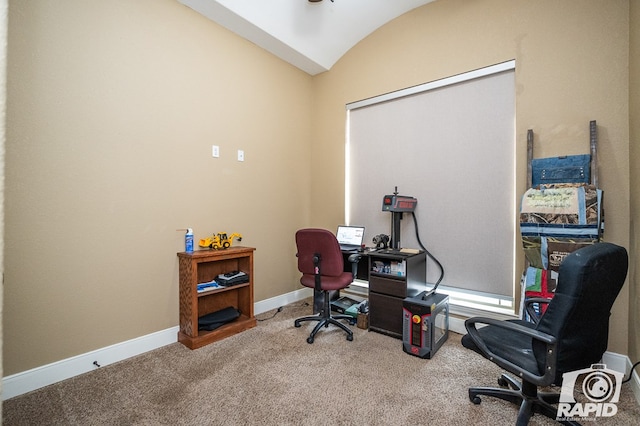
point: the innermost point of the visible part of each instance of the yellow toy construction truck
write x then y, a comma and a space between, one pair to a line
220, 240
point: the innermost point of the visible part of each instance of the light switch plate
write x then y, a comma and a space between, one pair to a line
215, 151
240, 155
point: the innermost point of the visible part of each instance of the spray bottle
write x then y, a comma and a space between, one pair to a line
188, 240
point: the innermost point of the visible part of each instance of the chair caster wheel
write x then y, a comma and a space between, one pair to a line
309, 340
352, 321
350, 337
502, 382
476, 400
297, 324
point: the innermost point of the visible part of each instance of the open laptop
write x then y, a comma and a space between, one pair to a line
350, 237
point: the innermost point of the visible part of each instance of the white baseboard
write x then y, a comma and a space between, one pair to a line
284, 299
27, 381
623, 364
457, 325
616, 362
635, 381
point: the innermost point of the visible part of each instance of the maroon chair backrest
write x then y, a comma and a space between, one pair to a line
313, 240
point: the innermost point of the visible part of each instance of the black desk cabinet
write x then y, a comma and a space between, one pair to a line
392, 278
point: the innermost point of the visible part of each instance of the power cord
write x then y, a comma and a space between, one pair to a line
631, 372
272, 316
415, 222
280, 309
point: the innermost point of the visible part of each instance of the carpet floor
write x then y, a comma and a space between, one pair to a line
270, 375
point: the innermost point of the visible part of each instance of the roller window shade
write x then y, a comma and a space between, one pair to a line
452, 147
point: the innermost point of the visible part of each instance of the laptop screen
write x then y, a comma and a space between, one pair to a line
352, 235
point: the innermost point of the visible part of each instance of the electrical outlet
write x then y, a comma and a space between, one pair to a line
240, 155
215, 151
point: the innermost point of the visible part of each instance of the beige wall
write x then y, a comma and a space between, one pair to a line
634, 144
3, 105
571, 67
113, 108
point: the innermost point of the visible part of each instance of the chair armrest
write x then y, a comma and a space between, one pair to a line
550, 342
528, 306
354, 259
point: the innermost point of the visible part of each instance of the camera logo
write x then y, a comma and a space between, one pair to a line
600, 387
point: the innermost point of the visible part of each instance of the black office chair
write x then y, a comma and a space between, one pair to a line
321, 263
571, 335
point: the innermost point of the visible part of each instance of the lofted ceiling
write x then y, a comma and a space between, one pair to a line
312, 36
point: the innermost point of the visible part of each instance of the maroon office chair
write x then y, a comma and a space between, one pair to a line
322, 266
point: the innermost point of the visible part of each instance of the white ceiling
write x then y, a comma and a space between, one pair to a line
310, 36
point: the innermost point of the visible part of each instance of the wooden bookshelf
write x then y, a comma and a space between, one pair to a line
203, 266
